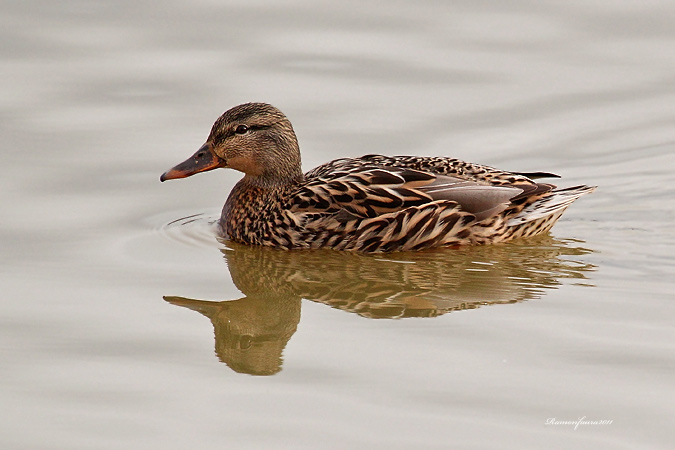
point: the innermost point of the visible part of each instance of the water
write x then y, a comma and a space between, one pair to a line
126, 324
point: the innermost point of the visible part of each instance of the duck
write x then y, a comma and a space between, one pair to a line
373, 203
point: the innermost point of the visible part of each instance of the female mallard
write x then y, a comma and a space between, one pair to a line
373, 203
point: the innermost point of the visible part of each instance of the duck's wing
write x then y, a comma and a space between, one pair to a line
537, 175
368, 191
437, 165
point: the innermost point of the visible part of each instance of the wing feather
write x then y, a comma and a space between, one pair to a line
371, 191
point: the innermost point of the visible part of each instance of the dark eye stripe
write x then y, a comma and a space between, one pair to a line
243, 129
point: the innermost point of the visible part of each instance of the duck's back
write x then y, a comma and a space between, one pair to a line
382, 203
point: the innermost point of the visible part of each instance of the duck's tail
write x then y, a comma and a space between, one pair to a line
551, 207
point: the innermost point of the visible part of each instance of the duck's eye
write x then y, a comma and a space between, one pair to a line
241, 129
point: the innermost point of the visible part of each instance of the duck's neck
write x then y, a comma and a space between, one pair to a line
252, 205
273, 180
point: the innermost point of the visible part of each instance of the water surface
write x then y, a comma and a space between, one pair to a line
126, 323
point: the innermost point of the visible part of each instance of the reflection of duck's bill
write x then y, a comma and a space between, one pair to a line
201, 306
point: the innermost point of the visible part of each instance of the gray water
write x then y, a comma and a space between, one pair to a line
126, 324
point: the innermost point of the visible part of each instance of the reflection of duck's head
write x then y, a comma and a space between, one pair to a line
250, 333
411, 284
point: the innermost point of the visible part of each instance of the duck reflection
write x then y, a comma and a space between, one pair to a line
252, 332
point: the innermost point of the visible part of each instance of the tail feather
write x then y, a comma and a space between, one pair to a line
549, 205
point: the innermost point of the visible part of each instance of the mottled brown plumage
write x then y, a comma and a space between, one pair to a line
373, 203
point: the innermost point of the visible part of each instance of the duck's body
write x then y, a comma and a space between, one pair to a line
373, 203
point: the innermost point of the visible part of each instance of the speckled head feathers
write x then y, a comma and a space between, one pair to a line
257, 139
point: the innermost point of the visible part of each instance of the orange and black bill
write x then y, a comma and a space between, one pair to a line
203, 160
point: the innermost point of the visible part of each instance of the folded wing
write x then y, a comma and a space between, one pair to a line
369, 192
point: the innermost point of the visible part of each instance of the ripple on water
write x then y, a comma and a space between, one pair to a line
194, 230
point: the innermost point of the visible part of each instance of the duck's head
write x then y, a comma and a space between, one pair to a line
254, 138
